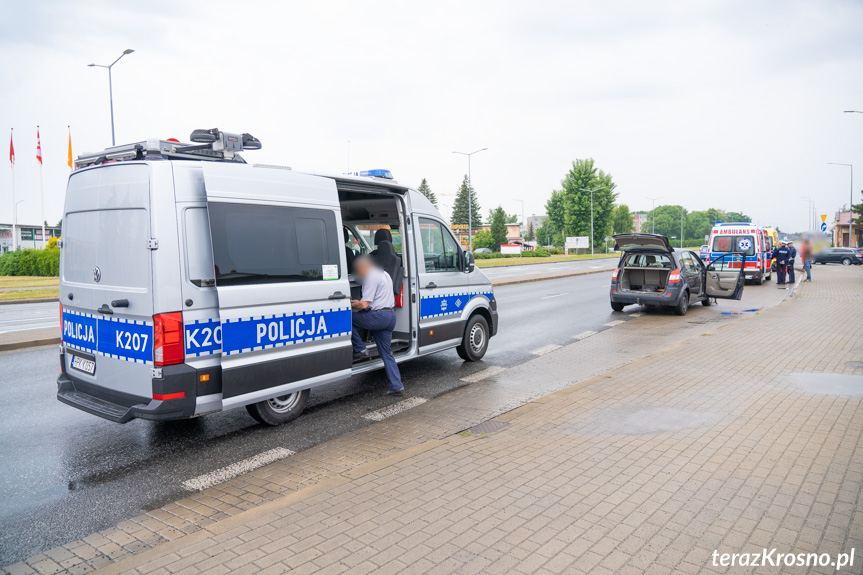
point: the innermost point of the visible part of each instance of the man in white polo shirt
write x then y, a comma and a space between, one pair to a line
376, 313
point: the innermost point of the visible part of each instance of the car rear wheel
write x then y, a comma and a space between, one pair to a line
616, 306
759, 280
846, 261
683, 305
707, 301
474, 343
279, 410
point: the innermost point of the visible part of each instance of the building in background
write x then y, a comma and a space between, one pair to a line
513, 231
840, 231
537, 221
29, 237
637, 221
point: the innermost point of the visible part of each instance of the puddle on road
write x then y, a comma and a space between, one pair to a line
657, 420
828, 383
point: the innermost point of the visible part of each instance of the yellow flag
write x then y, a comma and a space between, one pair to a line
70, 149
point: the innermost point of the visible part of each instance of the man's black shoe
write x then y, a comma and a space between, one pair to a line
361, 355
400, 391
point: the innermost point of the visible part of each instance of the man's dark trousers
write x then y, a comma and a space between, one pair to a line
381, 324
791, 272
781, 269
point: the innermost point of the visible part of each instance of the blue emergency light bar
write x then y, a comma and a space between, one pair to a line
386, 174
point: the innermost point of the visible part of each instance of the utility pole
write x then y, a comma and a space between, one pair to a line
653, 215
470, 198
111, 88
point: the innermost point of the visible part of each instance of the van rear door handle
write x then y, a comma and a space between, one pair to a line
431, 285
120, 303
338, 295
105, 309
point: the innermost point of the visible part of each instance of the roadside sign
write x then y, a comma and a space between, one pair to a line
577, 242
824, 218
823, 227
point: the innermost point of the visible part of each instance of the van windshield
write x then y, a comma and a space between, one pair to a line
736, 244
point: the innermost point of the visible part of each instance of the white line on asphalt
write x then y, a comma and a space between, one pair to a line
554, 295
390, 410
546, 349
615, 322
584, 334
226, 473
480, 375
636, 314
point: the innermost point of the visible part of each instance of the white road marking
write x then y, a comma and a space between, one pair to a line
480, 375
396, 408
554, 295
636, 314
584, 334
226, 473
615, 322
546, 349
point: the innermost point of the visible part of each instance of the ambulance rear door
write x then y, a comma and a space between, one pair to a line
280, 269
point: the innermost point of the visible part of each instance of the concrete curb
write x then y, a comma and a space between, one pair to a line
29, 343
30, 300
543, 263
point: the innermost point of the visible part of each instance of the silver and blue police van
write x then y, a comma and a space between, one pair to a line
193, 282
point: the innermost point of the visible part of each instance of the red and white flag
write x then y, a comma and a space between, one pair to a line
11, 151
38, 146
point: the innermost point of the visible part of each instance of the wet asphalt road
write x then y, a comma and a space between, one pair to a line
66, 474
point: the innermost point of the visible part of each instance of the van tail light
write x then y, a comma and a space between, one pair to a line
674, 277
400, 298
614, 275
168, 346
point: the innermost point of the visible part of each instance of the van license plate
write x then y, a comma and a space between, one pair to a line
83, 364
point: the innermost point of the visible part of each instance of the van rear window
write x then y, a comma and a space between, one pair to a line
736, 244
269, 244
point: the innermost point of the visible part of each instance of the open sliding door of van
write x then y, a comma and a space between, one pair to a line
284, 296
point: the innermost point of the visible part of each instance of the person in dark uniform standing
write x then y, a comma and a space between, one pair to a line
782, 256
792, 256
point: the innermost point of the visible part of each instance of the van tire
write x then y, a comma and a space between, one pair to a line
279, 410
474, 342
759, 280
682, 304
617, 306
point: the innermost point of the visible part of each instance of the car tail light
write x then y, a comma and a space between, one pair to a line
614, 275
168, 346
400, 298
674, 277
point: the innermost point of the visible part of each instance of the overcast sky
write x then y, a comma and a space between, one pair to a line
733, 104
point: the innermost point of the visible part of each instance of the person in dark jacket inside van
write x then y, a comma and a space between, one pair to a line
376, 313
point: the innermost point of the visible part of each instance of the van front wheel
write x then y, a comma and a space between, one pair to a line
474, 343
279, 410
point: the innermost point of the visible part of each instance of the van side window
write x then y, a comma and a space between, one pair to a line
272, 244
199, 255
440, 250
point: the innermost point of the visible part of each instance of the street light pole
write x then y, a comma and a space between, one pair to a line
811, 212
111, 88
850, 206
522, 213
591, 213
15, 220
470, 198
653, 215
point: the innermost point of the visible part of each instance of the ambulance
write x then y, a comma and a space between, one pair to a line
192, 282
745, 238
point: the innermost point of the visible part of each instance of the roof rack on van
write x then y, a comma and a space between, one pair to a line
210, 145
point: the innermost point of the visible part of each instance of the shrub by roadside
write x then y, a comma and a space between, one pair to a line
30, 263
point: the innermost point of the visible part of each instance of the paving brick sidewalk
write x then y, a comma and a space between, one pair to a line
649, 468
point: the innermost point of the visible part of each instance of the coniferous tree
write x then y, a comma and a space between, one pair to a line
425, 190
460, 207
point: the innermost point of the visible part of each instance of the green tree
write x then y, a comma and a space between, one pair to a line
543, 235
621, 220
425, 190
497, 227
667, 221
460, 207
577, 202
512, 219
483, 239
555, 209
736, 217
698, 225
857, 209
530, 235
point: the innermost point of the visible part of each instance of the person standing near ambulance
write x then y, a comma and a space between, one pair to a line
793, 256
782, 255
376, 313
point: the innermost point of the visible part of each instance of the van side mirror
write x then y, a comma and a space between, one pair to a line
469, 263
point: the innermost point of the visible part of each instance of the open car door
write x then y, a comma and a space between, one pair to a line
724, 276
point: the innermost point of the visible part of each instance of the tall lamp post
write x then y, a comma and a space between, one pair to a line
653, 215
850, 205
811, 213
15, 243
470, 198
111, 87
591, 213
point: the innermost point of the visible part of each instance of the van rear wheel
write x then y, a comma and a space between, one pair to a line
474, 343
279, 410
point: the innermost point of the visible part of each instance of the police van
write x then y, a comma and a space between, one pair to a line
745, 238
193, 282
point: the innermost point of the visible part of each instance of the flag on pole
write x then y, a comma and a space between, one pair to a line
70, 149
11, 151
38, 146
